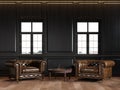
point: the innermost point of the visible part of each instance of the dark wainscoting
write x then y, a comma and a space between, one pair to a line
59, 62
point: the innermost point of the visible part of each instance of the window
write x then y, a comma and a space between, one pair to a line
87, 37
31, 37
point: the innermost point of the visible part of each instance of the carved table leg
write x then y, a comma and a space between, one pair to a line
64, 76
50, 75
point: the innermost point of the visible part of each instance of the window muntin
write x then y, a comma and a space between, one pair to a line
31, 37
87, 37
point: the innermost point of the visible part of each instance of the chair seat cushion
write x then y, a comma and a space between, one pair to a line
30, 69
89, 70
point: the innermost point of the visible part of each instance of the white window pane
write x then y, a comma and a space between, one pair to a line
25, 50
93, 50
93, 37
81, 26
37, 43
25, 26
82, 41
25, 44
82, 37
37, 51
81, 50
83, 44
93, 44
37, 26
93, 27
37, 37
25, 37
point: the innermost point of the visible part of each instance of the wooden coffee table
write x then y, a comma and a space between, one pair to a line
60, 70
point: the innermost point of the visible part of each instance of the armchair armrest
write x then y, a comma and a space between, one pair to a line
14, 68
10, 63
108, 63
107, 68
43, 65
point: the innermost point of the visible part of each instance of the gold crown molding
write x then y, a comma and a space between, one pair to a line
58, 2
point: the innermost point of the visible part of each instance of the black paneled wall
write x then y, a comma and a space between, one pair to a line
59, 28
59, 33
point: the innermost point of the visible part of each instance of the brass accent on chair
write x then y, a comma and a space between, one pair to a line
94, 69
23, 69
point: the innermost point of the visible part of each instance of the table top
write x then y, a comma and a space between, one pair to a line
60, 70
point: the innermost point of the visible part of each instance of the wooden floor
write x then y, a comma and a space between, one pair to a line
60, 84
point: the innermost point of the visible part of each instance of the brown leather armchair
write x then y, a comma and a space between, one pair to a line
94, 69
24, 69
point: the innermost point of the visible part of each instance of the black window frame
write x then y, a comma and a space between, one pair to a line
87, 35
31, 33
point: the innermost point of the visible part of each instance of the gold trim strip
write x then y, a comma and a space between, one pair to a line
59, 2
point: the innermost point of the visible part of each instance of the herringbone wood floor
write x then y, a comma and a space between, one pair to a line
60, 84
